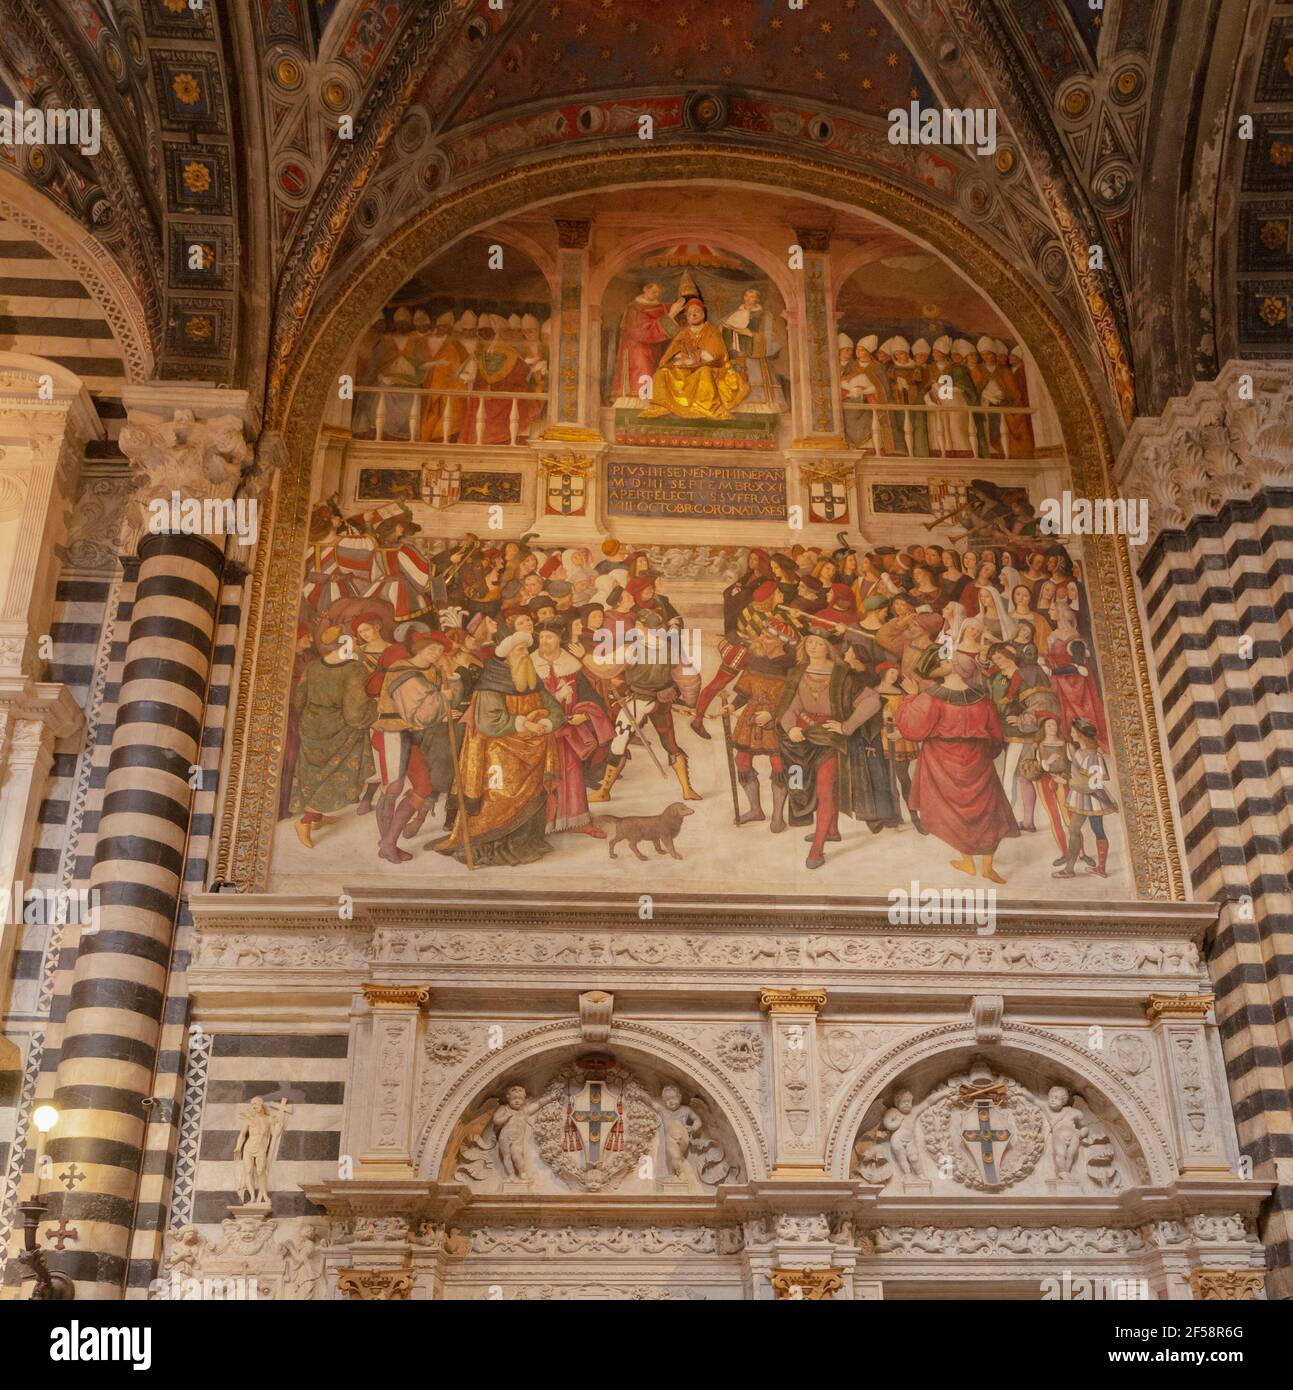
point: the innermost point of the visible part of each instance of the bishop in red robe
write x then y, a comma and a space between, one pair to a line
955, 790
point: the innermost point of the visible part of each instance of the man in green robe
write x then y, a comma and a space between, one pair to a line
335, 758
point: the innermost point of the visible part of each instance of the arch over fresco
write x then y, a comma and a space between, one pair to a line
630, 1040
111, 292
1021, 1044
300, 383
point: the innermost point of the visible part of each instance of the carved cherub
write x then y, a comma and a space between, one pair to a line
512, 1126
303, 1262
681, 1125
498, 1136
1068, 1130
900, 1121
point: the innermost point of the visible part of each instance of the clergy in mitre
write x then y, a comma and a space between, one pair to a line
696, 379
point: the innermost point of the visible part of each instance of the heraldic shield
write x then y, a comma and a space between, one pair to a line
594, 1123
989, 1127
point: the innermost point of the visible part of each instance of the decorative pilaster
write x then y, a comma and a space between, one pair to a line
118, 997
570, 407
1216, 469
799, 1149
392, 1067
819, 419
1196, 1105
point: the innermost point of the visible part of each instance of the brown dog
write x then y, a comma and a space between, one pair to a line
661, 830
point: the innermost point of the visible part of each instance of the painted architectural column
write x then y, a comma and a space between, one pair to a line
799, 1147
1216, 471
571, 407
819, 416
392, 1054
119, 993
46, 420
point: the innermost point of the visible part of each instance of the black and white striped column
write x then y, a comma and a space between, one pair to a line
119, 997
1216, 581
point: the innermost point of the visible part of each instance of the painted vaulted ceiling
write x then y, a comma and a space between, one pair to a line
224, 126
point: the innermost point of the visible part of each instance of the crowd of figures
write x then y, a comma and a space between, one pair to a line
948, 686
466, 378
926, 397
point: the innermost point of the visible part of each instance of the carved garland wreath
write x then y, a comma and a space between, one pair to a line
566, 1158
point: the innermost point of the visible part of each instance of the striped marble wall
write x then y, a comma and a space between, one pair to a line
1218, 596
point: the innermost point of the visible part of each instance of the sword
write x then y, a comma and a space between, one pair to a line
731, 760
636, 729
824, 622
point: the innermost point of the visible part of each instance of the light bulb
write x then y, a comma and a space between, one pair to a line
44, 1117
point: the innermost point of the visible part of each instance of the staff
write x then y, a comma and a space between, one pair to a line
462, 799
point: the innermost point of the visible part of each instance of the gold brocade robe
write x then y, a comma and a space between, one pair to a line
499, 816
693, 388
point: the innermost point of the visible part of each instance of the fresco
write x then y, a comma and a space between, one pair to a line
694, 350
680, 685
437, 366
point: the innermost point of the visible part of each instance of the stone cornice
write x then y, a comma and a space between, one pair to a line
448, 909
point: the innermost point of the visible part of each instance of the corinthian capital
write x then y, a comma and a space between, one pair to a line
181, 458
1225, 441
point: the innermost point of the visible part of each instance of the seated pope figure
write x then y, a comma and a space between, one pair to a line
696, 380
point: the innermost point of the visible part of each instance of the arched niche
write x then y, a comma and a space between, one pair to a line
1035, 1061
730, 1145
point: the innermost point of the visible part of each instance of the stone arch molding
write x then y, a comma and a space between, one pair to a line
1037, 1044
660, 1047
92, 265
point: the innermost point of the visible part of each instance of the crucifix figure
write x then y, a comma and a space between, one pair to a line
595, 1117
987, 1138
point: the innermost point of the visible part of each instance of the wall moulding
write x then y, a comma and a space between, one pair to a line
304, 381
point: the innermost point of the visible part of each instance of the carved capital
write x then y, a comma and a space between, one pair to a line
200, 460
374, 1285
1191, 1007
806, 1285
381, 996
572, 234
792, 1001
1223, 442
1238, 1284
